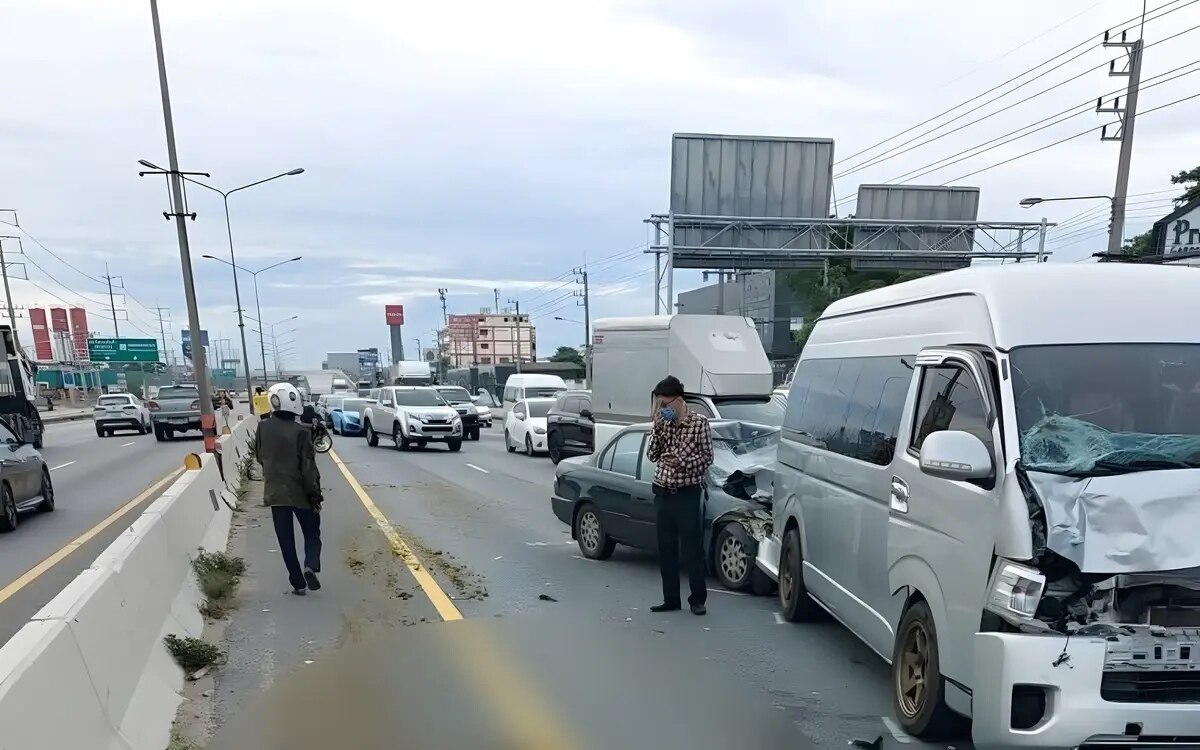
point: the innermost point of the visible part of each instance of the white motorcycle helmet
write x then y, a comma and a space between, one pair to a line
285, 397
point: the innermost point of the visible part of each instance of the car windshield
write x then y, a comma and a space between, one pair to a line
455, 395
539, 408
545, 392
738, 446
354, 405
334, 403
766, 410
113, 400
1097, 409
172, 391
419, 398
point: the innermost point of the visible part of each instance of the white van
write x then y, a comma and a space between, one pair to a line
520, 386
992, 477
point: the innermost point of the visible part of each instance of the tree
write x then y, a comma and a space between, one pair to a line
567, 354
1143, 244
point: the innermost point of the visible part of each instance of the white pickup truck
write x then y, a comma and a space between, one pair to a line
411, 415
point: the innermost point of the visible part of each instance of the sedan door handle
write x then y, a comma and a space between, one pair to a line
899, 495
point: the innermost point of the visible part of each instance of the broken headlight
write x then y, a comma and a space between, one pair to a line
1014, 591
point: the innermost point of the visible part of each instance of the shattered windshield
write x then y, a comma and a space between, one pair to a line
741, 446
1096, 409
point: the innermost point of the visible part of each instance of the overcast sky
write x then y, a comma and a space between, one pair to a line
482, 145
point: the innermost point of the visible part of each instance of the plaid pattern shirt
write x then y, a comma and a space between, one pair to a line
689, 442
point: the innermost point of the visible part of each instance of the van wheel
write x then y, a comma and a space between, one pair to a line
797, 605
372, 436
731, 559
918, 691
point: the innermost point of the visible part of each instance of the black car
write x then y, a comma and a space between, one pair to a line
465, 406
607, 499
570, 429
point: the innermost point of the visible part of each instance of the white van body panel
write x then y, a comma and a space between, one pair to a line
516, 385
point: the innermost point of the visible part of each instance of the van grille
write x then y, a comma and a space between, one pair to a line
1151, 687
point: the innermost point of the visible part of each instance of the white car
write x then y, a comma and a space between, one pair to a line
121, 411
525, 425
411, 415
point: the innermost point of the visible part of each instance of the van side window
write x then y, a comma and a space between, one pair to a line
699, 407
949, 400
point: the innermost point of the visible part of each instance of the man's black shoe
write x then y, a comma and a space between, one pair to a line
665, 607
299, 592
698, 609
311, 579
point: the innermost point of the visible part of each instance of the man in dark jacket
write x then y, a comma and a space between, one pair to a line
292, 485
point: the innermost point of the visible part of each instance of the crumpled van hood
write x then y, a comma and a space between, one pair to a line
1140, 522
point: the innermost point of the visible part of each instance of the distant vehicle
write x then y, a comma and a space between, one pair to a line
719, 358
342, 386
412, 416
177, 409
346, 416
519, 387
608, 498
484, 403
325, 406
525, 425
121, 411
24, 479
465, 406
411, 373
18, 403
570, 430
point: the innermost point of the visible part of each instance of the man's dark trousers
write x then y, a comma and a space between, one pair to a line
678, 526
285, 532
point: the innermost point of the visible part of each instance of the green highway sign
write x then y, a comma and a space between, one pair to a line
123, 350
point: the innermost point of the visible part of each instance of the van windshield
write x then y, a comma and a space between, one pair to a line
542, 392
766, 410
1098, 409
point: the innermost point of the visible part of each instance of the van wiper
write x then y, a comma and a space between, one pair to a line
1105, 468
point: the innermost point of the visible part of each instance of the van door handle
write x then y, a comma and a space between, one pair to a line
899, 495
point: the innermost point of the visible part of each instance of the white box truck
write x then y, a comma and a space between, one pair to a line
412, 373
719, 358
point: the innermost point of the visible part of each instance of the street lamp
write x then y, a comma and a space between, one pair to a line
567, 320
237, 295
258, 306
1028, 202
1112, 210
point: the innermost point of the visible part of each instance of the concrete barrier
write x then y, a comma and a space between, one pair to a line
96, 648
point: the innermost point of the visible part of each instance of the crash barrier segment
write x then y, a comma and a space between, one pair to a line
90, 669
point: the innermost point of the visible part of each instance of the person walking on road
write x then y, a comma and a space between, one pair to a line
261, 402
681, 448
292, 485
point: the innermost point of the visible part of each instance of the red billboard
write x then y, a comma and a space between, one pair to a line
43, 349
58, 320
395, 314
79, 332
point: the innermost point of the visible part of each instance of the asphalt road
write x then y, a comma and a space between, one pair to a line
481, 521
93, 477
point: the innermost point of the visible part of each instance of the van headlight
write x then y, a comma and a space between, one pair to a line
1015, 591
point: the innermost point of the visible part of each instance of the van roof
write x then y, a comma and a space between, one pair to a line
1031, 303
659, 322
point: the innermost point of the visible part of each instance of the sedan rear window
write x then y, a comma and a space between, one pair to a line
113, 400
177, 392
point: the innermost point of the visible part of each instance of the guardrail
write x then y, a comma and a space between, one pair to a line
89, 670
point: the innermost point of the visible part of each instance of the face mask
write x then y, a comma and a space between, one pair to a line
667, 413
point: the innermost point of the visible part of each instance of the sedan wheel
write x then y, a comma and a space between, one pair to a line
528, 446
8, 510
508, 443
731, 558
589, 531
47, 505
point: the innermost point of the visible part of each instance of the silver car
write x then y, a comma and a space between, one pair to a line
24, 480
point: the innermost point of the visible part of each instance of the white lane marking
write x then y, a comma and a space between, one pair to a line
126, 445
61, 466
727, 591
779, 618
478, 468
896, 731
536, 544
585, 559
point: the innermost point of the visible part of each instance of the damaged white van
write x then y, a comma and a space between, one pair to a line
992, 477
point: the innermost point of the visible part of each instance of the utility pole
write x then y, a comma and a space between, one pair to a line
12, 314
112, 301
496, 292
445, 323
208, 423
162, 329
582, 275
1126, 116
518, 346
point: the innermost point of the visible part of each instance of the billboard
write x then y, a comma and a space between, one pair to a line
186, 341
79, 332
394, 314
58, 320
916, 203
43, 349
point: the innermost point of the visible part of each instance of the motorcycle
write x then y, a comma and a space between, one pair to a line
321, 439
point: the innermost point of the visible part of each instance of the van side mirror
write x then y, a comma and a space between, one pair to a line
957, 455
585, 413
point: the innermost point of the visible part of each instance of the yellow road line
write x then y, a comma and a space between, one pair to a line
33, 573
529, 720
441, 602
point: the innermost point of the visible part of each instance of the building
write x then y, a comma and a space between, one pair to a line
1176, 236
488, 338
761, 296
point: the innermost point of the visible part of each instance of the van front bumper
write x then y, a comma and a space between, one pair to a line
1075, 714
767, 558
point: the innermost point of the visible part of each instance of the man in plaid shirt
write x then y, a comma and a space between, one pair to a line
681, 448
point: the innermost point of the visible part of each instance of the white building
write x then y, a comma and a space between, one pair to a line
488, 338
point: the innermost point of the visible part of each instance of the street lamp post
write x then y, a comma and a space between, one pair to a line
237, 295
257, 304
1112, 227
